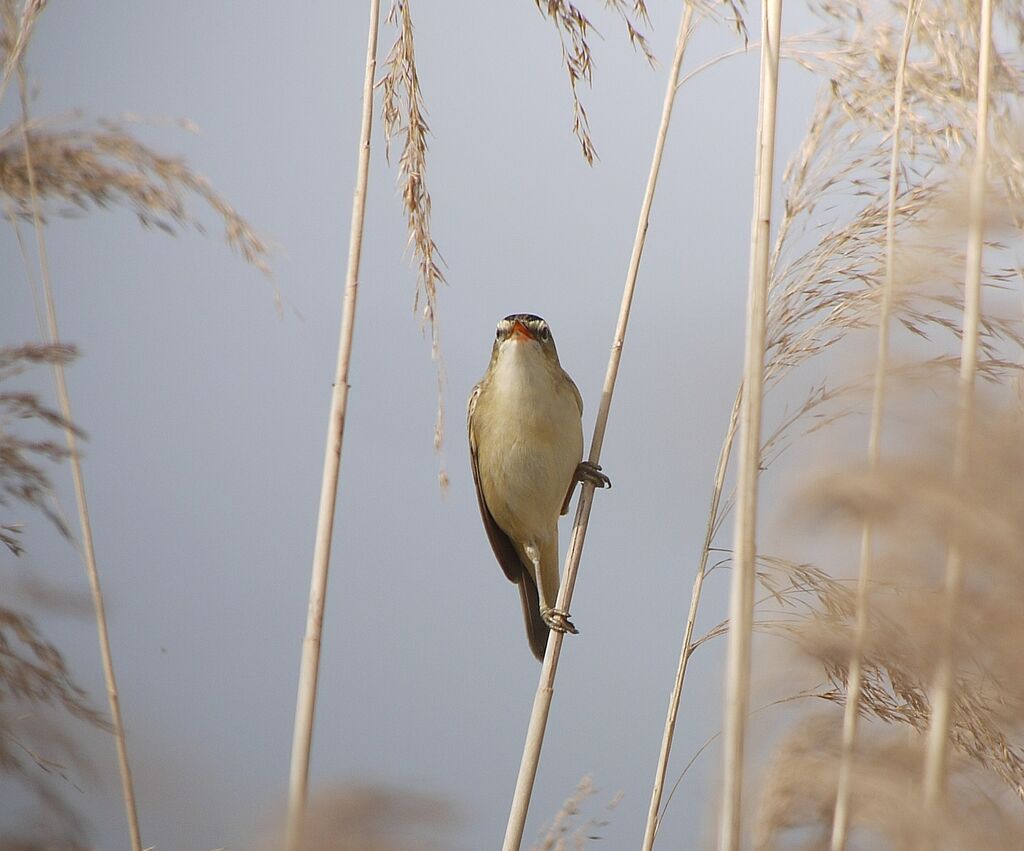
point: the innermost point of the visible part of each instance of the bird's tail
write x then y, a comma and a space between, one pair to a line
536, 629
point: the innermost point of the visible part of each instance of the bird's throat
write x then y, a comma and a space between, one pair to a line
521, 370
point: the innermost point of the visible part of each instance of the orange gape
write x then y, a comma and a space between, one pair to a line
520, 330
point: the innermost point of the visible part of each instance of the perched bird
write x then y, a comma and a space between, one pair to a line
526, 444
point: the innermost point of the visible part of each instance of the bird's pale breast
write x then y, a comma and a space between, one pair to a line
529, 440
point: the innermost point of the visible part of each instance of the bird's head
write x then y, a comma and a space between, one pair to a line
525, 329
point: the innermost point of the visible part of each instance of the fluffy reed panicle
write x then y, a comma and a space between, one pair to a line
919, 509
17, 32
24, 479
404, 115
104, 165
564, 832
36, 688
828, 267
370, 818
798, 796
828, 263
574, 29
80, 165
47, 163
829, 256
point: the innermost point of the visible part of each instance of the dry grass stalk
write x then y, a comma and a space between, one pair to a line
798, 796
573, 29
403, 114
829, 261
841, 816
545, 688
70, 435
18, 34
42, 161
561, 831
33, 674
81, 166
310, 664
22, 479
817, 614
741, 601
943, 694
658, 789
106, 165
921, 508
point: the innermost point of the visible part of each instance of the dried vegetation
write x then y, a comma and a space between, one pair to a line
918, 508
37, 691
827, 274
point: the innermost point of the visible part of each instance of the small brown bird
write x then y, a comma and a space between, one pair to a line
526, 444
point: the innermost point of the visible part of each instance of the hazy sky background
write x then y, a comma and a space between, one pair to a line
206, 411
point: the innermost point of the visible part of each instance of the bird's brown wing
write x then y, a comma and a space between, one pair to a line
572, 484
536, 630
504, 551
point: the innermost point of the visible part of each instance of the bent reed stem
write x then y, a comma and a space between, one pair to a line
545, 688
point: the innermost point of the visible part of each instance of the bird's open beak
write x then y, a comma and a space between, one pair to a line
520, 330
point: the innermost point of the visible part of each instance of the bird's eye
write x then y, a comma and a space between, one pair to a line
497, 334
544, 334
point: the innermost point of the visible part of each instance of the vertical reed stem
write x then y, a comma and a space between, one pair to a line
944, 686
653, 820
310, 664
87, 548
841, 815
741, 604
545, 688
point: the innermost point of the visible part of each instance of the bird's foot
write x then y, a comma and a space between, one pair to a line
558, 620
587, 472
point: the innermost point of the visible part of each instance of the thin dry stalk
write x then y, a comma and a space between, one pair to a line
565, 826
404, 114
741, 603
22, 478
943, 691
653, 818
545, 688
797, 795
310, 665
819, 295
87, 547
30, 11
841, 816
573, 28
912, 501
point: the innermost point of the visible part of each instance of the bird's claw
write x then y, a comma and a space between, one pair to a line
559, 621
588, 472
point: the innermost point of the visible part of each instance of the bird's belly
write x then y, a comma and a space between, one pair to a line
531, 465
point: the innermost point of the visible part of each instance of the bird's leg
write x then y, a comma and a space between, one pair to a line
587, 472
556, 619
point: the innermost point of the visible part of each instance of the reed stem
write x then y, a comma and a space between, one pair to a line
545, 688
310, 664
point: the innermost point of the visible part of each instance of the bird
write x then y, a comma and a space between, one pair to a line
526, 446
